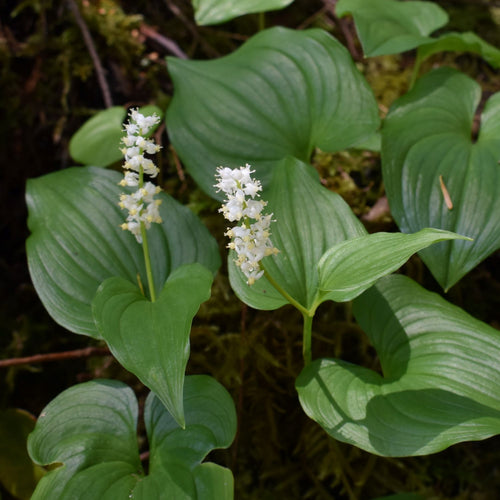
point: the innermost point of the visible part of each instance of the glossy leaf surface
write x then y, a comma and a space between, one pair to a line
151, 339
218, 11
392, 26
349, 268
90, 430
309, 219
98, 141
282, 93
441, 374
428, 153
77, 243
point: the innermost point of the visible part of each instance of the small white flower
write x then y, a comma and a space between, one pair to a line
250, 240
142, 207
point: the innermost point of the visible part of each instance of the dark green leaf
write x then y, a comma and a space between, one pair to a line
461, 42
90, 431
349, 268
18, 474
151, 339
441, 373
392, 26
218, 11
98, 141
428, 152
282, 93
77, 243
309, 219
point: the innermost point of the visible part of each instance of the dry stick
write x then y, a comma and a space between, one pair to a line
209, 50
344, 27
165, 42
106, 94
87, 352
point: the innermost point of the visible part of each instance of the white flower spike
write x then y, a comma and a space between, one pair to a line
142, 208
250, 240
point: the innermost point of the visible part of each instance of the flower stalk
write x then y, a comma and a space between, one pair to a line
143, 208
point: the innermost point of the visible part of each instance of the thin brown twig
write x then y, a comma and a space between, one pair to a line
56, 356
165, 42
106, 94
209, 50
345, 27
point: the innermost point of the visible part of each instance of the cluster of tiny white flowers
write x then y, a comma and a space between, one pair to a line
250, 240
142, 207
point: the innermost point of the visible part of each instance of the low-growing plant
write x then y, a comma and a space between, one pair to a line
116, 258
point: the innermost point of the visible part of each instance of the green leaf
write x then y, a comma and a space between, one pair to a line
210, 424
219, 11
351, 267
90, 432
441, 374
77, 243
309, 219
391, 26
98, 141
151, 339
427, 138
18, 474
461, 42
269, 99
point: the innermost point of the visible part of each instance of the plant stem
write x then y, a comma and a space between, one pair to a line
306, 338
262, 21
288, 297
307, 314
147, 261
145, 248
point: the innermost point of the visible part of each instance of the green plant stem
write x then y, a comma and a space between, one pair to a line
145, 249
415, 72
288, 297
147, 261
262, 21
306, 338
307, 314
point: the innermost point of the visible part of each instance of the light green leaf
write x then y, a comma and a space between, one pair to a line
440, 382
219, 11
151, 339
90, 430
18, 474
309, 219
98, 141
427, 139
281, 93
461, 42
392, 26
351, 267
77, 243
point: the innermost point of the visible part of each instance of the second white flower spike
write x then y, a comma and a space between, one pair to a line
250, 240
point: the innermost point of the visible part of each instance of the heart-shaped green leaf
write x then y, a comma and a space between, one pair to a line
77, 243
98, 141
461, 42
151, 339
351, 267
391, 26
90, 430
309, 219
18, 474
218, 11
436, 175
440, 383
282, 93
